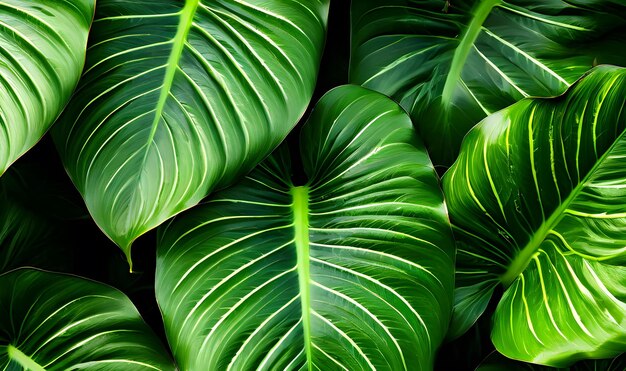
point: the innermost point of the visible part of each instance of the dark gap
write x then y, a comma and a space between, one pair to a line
333, 72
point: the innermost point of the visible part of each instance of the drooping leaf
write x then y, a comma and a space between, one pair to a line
51, 321
537, 199
42, 52
452, 66
181, 97
351, 271
497, 362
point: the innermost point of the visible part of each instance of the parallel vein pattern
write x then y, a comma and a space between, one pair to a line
352, 271
42, 52
51, 321
451, 68
180, 98
537, 199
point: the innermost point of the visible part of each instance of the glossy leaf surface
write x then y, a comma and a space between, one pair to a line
181, 97
51, 321
537, 199
351, 271
42, 52
450, 66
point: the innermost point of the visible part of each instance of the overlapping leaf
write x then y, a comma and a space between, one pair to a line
181, 97
352, 271
537, 199
450, 66
42, 52
51, 321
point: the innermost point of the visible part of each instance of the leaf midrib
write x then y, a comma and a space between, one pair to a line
186, 19
465, 45
187, 14
300, 210
23, 360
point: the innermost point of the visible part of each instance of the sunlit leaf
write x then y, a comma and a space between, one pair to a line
537, 200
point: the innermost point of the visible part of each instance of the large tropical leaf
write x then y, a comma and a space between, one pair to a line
450, 66
51, 321
351, 271
181, 97
42, 52
537, 199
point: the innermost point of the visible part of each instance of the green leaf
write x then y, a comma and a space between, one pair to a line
42, 52
537, 199
180, 98
51, 321
450, 67
497, 362
352, 270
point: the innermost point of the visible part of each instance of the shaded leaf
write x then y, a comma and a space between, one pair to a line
51, 321
452, 66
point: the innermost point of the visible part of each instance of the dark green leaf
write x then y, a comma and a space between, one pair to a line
452, 66
51, 321
179, 98
351, 271
42, 52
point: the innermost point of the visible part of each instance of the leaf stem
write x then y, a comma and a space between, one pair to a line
25, 361
465, 45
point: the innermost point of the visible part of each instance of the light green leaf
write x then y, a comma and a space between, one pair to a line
351, 271
51, 321
42, 52
537, 200
180, 98
449, 67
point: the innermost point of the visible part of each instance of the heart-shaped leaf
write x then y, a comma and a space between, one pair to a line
181, 97
42, 52
537, 199
51, 321
351, 271
450, 66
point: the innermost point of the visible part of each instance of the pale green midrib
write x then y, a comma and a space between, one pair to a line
462, 51
300, 210
25, 361
186, 19
521, 261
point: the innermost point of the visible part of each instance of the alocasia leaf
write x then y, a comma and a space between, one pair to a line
537, 199
450, 66
181, 97
42, 52
51, 321
351, 271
